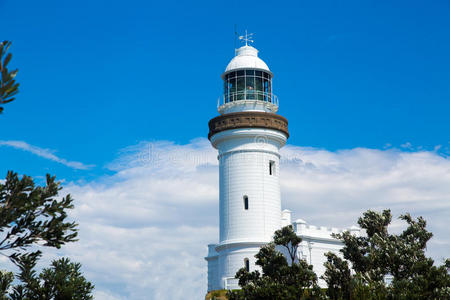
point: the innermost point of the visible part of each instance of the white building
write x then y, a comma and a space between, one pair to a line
248, 135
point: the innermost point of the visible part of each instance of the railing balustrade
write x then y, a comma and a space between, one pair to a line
249, 95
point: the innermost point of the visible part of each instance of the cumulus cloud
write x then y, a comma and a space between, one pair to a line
335, 188
144, 230
45, 153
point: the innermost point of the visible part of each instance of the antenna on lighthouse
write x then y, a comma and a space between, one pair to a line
247, 38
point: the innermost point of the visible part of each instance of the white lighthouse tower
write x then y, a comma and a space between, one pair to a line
248, 135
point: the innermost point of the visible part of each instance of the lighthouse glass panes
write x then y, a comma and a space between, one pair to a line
248, 85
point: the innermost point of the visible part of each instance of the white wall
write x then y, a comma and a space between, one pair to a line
316, 241
244, 156
213, 266
247, 174
232, 259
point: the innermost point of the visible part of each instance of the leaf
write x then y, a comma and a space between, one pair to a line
7, 60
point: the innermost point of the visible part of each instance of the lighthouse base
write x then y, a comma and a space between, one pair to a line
224, 260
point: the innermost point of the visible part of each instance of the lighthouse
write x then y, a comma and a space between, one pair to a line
248, 135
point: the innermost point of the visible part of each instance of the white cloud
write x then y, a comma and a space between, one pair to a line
102, 295
335, 188
406, 145
144, 230
45, 153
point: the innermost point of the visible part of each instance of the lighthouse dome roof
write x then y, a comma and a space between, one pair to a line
247, 58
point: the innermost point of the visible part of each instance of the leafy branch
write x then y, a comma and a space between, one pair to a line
32, 215
8, 85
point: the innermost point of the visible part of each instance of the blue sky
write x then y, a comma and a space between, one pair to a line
97, 76
359, 81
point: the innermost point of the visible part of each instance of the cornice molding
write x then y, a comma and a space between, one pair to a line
248, 119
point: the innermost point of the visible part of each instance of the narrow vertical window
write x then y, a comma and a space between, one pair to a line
246, 202
247, 264
271, 167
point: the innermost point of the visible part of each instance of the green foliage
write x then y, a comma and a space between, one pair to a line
63, 280
287, 238
6, 278
8, 86
31, 215
373, 257
280, 278
380, 254
337, 277
217, 295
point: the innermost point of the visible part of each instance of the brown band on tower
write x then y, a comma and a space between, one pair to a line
248, 119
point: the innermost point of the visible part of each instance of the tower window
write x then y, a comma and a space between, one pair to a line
247, 264
246, 202
271, 167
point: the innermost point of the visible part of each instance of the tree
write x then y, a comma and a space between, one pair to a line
283, 277
337, 277
380, 254
31, 215
63, 280
8, 86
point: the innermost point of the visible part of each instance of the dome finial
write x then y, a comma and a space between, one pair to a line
247, 38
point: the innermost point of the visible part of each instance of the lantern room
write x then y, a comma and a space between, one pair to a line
247, 84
